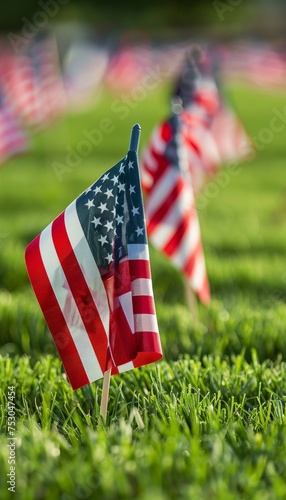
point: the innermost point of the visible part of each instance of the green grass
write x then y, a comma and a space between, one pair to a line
208, 421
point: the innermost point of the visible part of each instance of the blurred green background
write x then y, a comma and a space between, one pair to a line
209, 18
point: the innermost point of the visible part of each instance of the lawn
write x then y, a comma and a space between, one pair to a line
208, 421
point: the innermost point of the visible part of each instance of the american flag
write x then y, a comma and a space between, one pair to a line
13, 139
232, 140
256, 64
172, 219
198, 96
90, 272
212, 132
127, 68
33, 84
201, 146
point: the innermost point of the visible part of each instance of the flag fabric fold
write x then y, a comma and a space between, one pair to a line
90, 272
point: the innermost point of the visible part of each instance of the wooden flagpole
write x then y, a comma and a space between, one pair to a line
192, 300
105, 394
133, 146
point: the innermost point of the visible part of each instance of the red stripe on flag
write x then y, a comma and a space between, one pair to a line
190, 264
166, 131
143, 304
81, 293
148, 347
139, 269
161, 165
122, 340
204, 292
165, 206
174, 242
53, 316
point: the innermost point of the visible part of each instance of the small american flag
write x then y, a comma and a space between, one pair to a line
198, 96
13, 139
91, 274
212, 132
127, 68
230, 136
172, 220
34, 86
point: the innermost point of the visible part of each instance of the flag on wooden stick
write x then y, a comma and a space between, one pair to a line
90, 272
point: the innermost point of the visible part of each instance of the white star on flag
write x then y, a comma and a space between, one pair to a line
102, 207
115, 179
109, 193
89, 204
96, 221
97, 190
109, 225
119, 219
109, 258
102, 239
135, 211
139, 231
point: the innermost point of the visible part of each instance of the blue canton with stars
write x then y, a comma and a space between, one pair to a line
111, 213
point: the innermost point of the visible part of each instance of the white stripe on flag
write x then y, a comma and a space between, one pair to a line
125, 367
146, 178
138, 251
146, 323
188, 243
199, 273
157, 142
62, 291
87, 264
161, 191
168, 226
126, 304
142, 286
149, 160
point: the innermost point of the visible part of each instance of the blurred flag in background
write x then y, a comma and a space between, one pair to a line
172, 219
213, 133
33, 83
13, 139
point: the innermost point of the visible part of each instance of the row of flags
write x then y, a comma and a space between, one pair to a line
32, 95
33, 84
256, 64
44, 82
